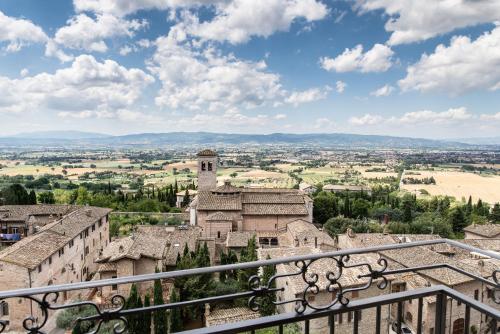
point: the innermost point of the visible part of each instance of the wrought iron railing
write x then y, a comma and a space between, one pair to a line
305, 310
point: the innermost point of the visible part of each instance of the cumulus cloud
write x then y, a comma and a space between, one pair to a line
377, 59
340, 86
493, 117
87, 85
236, 21
82, 32
450, 116
18, 33
280, 116
385, 90
366, 119
306, 96
417, 20
324, 123
464, 65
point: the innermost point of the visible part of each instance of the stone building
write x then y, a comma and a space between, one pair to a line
62, 251
226, 208
20, 221
486, 231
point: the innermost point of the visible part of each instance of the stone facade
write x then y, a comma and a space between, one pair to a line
207, 170
62, 259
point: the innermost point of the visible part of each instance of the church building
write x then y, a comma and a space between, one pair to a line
226, 208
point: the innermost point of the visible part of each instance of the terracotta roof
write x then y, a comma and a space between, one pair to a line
272, 198
238, 239
275, 209
134, 247
486, 244
230, 315
226, 188
31, 251
176, 243
211, 202
24, 212
75, 222
321, 267
207, 153
486, 230
306, 232
219, 216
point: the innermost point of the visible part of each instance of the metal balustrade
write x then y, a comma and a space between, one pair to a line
46, 298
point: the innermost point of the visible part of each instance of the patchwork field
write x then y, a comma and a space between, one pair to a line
460, 184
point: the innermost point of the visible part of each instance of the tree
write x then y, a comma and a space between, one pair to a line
360, 208
15, 194
46, 197
267, 306
457, 219
186, 200
325, 207
248, 254
134, 320
146, 326
32, 197
495, 214
160, 317
175, 314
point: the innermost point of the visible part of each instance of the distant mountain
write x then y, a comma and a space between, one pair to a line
69, 139
480, 140
70, 135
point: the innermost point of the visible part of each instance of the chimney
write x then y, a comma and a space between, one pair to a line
88, 212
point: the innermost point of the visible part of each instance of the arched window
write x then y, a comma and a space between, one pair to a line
203, 166
459, 326
209, 166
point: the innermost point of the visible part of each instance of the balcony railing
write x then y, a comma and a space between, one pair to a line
305, 310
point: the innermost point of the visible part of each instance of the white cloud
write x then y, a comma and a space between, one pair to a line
493, 117
19, 33
463, 66
238, 20
86, 85
24, 72
417, 20
125, 7
378, 59
340, 86
280, 116
306, 96
324, 123
450, 116
366, 119
125, 50
85, 33
385, 90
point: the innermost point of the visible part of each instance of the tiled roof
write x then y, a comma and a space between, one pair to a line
23, 212
107, 267
33, 250
176, 243
238, 239
419, 256
275, 209
226, 188
486, 244
134, 247
207, 153
75, 222
321, 267
306, 232
342, 187
218, 216
272, 198
486, 230
211, 202
230, 315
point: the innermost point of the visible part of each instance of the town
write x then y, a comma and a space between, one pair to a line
212, 218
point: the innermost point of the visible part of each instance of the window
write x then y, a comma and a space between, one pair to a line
209, 166
339, 318
459, 303
93, 228
86, 250
100, 223
355, 294
81, 235
40, 268
476, 294
87, 232
4, 308
100, 236
50, 260
114, 286
218, 234
71, 243
349, 316
203, 165
61, 252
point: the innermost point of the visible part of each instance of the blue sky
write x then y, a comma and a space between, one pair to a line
421, 68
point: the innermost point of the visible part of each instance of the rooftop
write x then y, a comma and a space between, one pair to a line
486, 230
207, 153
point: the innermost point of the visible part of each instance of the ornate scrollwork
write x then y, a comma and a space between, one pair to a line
312, 283
496, 291
49, 302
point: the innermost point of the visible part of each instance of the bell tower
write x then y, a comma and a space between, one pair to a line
207, 170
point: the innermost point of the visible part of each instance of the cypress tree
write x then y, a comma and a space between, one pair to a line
266, 303
147, 316
32, 197
175, 314
160, 318
131, 303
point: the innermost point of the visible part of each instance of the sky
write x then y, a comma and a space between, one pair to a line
419, 68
